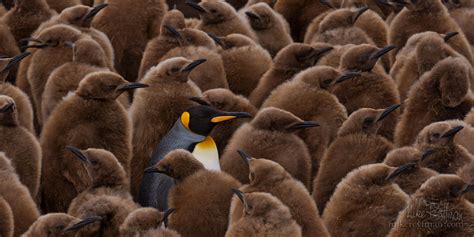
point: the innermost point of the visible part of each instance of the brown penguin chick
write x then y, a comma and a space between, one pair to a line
94, 119
440, 94
157, 47
441, 207
357, 133
373, 89
144, 220
60, 5
54, 225
449, 157
8, 47
220, 18
366, 202
17, 196
23, 104
312, 85
240, 54
313, 27
464, 136
300, 13
225, 100
169, 93
288, 62
88, 57
420, 55
272, 30
270, 177
6, 219
271, 134
264, 215
333, 58
428, 15
467, 174
20, 145
102, 216
461, 11
55, 52
107, 175
26, 16
414, 178
210, 75
470, 117
207, 213
129, 26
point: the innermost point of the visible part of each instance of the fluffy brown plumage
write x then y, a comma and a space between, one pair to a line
270, 135
6, 219
8, 47
95, 119
357, 144
53, 225
20, 145
366, 202
268, 176
145, 221
60, 5
169, 93
441, 94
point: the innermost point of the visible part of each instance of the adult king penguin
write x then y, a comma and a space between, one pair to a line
190, 132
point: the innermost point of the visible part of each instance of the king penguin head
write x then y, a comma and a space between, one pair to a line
201, 119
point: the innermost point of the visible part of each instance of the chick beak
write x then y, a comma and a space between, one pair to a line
449, 36
451, 133
252, 15
468, 188
347, 76
10, 107
196, 6
85, 222
166, 214
93, 12
382, 52
385, 2
15, 60
387, 112
193, 65
241, 197
226, 116
359, 13
326, 3
320, 52
400, 170
151, 170
78, 153
303, 125
173, 32
132, 86
427, 154
245, 157
216, 39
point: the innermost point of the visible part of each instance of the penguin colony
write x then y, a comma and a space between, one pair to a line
215, 118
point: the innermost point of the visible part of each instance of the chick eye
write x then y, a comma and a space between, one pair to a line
368, 122
213, 11
327, 82
436, 135
94, 162
252, 176
60, 227
175, 70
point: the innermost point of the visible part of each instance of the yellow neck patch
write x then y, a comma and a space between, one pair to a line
206, 152
185, 118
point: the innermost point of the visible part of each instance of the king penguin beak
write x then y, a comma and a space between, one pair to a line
78, 153
15, 60
132, 86
166, 214
194, 64
469, 187
451, 133
216, 39
245, 157
400, 170
382, 52
8, 108
252, 15
196, 6
449, 35
347, 76
173, 32
359, 13
85, 222
95, 10
225, 116
387, 112
427, 154
303, 125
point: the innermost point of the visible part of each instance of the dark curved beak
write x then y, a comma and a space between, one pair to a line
132, 86
449, 35
252, 15
401, 170
166, 214
387, 112
151, 170
78, 153
451, 133
427, 154
193, 65
35, 46
10, 107
320, 52
303, 125
326, 3
245, 157
359, 13
385, 2
239, 194
382, 52
216, 39
468, 188
173, 31
347, 76
85, 222
15, 60
225, 116
196, 6
95, 10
